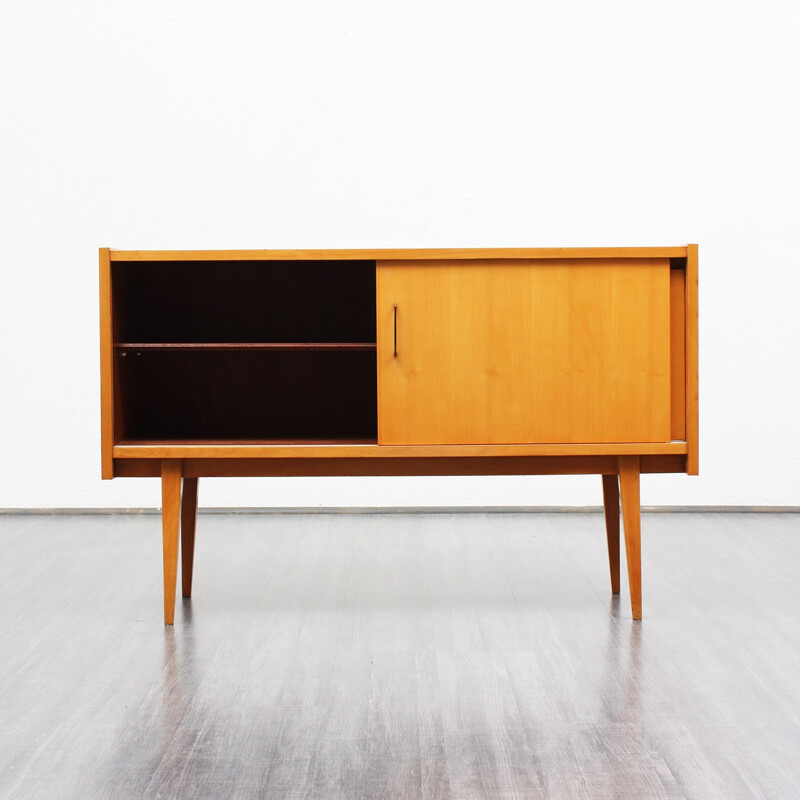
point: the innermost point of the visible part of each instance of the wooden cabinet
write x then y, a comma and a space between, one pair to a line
398, 362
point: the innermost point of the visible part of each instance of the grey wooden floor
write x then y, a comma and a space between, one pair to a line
431, 656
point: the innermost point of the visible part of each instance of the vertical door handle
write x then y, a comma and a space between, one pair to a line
395, 330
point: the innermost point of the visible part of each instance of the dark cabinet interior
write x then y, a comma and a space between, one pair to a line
245, 350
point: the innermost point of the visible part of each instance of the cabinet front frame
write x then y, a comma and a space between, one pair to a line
120, 459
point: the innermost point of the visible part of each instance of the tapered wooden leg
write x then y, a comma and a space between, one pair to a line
188, 522
631, 517
170, 523
611, 505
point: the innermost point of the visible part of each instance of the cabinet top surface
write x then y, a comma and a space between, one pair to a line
400, 254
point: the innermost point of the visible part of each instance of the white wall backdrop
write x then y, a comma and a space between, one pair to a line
399, 124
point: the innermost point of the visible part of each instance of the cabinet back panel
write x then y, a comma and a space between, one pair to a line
500, 352
244, 301
256, 395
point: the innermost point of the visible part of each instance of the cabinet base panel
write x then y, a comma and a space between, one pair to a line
406, 467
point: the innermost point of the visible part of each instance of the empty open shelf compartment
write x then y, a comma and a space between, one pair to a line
245, 351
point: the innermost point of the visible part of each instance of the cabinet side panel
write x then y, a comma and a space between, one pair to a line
692, 389
677, 353
497, 352
106, 368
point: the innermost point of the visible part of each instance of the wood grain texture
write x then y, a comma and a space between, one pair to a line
106, 368
398, 254
483, 465
355, 450
677, 353
611, 509
188, 527
502, 362
692, 364
495, 352
631, 516
170, 525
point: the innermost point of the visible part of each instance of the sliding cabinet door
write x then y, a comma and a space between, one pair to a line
523, 351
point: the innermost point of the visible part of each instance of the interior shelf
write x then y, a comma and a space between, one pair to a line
130, 346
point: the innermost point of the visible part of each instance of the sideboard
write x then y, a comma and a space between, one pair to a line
398, 362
